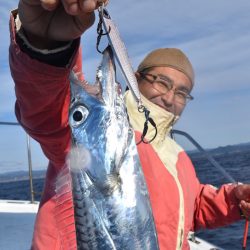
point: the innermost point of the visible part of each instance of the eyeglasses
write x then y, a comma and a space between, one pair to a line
163, 85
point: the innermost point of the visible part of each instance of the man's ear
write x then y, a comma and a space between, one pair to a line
137, 75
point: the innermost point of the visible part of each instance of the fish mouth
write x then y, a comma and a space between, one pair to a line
92, 89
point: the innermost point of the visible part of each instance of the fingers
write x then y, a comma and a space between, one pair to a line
50, 4
242, 192
77, 7
72, 7
88, 5
245, 208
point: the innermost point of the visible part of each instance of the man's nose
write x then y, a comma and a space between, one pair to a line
168, 98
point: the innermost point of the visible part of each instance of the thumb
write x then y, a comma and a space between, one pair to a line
50, 4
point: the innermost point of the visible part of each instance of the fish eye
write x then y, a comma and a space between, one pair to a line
78, 116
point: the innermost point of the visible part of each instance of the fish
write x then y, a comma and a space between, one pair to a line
112, 208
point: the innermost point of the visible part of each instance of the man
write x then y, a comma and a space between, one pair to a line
44, 49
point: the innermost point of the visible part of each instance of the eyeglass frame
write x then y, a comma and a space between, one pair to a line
143, 74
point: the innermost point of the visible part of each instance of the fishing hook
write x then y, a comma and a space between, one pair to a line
100, 31
143, 109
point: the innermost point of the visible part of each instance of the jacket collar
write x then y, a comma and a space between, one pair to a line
164, 120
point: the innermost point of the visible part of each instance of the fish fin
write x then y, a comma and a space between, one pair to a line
64, 210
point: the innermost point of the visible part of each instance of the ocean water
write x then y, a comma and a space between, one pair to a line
235, 160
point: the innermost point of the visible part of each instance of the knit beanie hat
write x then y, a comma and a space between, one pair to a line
169, 57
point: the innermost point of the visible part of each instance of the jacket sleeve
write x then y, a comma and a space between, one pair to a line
42, 99
215, 207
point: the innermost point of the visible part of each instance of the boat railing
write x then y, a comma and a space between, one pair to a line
173, 132
32, 191
208, 156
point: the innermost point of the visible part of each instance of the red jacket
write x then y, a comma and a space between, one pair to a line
43, 97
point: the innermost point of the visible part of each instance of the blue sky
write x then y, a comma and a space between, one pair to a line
215, 36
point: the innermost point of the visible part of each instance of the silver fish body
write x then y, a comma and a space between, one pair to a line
111, 202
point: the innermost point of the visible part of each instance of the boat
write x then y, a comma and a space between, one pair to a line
17, 217
17, 221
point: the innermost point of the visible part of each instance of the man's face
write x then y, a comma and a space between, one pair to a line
172, 100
